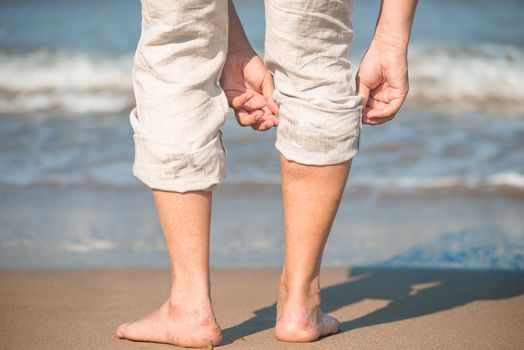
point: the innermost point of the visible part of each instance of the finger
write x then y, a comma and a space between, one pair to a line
273, 121
267, 121
375, 121
240, 100
245, 118
256, 125
378, 121
366, 119
264, 125
267, 90
380, 93
268, 114
386, 110
375, 104
256, 102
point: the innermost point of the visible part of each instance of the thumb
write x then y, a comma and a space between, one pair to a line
362, 90
267, 90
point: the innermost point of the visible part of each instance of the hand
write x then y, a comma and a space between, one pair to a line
248, 86
383, 81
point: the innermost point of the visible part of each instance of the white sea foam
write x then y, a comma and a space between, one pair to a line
499, 180
82, 82
47, 79
479, 75
506, 179
88, 246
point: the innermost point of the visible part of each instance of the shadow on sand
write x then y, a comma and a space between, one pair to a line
411, 292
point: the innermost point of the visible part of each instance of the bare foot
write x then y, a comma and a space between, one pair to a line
174, 325
300, 320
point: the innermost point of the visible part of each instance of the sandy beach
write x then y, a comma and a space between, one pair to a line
426, 250
388, 308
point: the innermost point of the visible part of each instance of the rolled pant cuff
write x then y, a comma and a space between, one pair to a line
159, 168
293, 154
315, 135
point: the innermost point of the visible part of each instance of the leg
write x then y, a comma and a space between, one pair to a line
311, 196
186, 318
179, 154
307, 46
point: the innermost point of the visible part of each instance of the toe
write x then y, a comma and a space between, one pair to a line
120, 331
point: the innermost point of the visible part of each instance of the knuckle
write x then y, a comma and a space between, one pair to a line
243, 122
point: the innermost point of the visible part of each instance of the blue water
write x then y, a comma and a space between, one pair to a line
479, 249
65, 95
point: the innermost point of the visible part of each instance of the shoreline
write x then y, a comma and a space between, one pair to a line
90, 227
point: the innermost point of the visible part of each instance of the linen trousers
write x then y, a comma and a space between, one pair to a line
180, 106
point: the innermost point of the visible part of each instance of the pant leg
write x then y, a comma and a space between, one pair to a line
180, 106
306, 49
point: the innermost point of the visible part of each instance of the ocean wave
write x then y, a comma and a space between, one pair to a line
120, 176
512, 180
506, 179
464, 77
441, 75
48, 79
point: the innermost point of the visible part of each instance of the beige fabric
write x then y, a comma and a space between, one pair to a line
180, 104
306, 49
181, 107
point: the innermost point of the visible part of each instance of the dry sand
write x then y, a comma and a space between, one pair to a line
378, 308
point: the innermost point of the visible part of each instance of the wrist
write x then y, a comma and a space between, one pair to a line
394, 23
238, 44
397, 42
241, 50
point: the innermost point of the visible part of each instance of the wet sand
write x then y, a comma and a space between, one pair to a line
388, 308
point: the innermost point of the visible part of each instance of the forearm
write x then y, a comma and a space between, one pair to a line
394, 23
237, 39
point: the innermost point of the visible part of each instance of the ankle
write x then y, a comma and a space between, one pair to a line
300, 293
190, 291
196, 314
192, 302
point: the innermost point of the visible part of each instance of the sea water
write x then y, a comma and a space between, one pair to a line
457, 146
